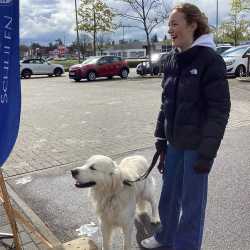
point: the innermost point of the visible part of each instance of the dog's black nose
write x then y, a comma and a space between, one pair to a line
74, 172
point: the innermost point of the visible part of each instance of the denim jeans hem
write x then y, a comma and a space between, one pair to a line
164, 244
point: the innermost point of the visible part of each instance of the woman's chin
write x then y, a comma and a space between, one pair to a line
175, 44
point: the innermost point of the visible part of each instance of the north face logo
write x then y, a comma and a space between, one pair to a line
193, 72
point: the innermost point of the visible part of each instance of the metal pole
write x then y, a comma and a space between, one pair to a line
123, 33
123, 46
77, 33
217, 19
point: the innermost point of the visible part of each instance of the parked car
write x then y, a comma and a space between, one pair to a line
221, 49
99, 66
39, 67
157, 64
236, 60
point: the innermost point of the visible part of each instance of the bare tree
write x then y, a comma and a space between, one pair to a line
102, 41
147, 15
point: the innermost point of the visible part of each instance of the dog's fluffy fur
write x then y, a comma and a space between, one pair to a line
114, 199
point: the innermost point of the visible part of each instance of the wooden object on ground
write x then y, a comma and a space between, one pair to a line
4, 198
14, 215
80, 244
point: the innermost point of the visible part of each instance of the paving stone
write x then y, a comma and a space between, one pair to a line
25, 238
30, 246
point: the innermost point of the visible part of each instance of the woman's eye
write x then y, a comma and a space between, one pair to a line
92, 168
172, 25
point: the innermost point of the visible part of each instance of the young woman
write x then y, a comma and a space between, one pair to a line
191, 123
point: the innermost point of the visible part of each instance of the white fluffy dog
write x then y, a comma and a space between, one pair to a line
115, 199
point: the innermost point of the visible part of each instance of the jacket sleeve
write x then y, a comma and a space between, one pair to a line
215, 91
159, 130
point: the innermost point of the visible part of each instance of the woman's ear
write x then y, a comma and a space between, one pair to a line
194, 26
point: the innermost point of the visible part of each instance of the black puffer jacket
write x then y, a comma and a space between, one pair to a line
195, 101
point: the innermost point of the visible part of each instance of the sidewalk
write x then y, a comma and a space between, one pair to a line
227, 219
28, 241
29, 230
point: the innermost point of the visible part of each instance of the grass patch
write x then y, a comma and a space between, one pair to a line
66, 63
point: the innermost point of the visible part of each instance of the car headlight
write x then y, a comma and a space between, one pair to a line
228, 63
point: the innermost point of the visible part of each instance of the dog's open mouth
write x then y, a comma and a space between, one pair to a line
85, 185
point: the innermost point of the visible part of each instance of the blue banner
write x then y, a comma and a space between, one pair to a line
10, 89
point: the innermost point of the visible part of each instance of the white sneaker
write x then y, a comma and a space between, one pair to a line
151, 243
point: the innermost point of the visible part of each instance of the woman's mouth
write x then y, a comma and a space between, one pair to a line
173, 38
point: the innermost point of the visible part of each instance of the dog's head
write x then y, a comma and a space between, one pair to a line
98, 170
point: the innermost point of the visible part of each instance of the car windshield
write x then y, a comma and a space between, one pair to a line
235, 52
91, 60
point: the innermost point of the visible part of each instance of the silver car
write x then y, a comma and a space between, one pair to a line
39, 67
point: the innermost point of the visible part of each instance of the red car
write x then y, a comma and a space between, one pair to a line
99, 66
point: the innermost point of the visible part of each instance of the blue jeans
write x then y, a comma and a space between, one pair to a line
183, 201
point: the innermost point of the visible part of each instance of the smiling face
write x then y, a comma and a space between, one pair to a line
182, 33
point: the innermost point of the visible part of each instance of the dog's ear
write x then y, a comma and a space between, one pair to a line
116, 179
115, 164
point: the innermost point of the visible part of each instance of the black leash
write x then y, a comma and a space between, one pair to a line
145, 175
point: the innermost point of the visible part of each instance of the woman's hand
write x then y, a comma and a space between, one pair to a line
161, 148
203, 166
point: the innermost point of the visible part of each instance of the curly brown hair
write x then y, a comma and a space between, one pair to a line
194, 15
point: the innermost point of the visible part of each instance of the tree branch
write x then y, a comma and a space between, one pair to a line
150, 7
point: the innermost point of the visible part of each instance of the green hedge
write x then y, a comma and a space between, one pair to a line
66, 63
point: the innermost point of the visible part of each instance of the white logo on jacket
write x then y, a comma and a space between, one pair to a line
193, 72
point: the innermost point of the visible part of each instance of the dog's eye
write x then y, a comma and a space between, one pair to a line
92, 168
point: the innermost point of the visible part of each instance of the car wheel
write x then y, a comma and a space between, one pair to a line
110, 77
156, 71
58, 72
91, 76
26, 74
240, 71
77, 79
124, 73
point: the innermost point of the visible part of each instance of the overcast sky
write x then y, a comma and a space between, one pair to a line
44, 21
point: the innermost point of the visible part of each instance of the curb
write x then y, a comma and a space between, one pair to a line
80, 243
33, 218
243, 79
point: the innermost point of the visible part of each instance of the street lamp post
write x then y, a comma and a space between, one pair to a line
77, 34
217, 19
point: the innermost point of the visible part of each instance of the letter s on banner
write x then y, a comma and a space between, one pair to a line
10, 88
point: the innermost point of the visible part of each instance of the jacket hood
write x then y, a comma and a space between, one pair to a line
205, 41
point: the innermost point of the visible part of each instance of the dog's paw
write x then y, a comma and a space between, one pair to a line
155, 220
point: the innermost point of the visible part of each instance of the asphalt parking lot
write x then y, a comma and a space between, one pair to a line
63, 123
